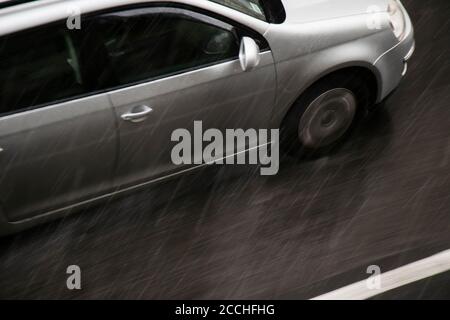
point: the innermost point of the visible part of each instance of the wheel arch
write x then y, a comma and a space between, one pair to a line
361, 68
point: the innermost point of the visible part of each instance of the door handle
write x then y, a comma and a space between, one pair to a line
137, 114
1, 149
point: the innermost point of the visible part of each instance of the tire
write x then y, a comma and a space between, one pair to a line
323, 116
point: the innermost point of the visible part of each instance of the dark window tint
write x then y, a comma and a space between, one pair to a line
147, 43
37, 67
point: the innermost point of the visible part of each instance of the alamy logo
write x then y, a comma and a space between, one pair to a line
74, 280
375, 17
374, 281
74, 20
237, 146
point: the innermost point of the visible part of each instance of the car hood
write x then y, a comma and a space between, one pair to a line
301, 11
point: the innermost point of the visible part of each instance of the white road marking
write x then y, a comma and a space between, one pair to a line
393, 279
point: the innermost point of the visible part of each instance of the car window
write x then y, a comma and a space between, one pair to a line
147, 43
252, 8
38, 66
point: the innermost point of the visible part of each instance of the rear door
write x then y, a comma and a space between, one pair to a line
177, 66
57, 138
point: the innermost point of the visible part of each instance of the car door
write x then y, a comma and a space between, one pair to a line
57, 139
176, 66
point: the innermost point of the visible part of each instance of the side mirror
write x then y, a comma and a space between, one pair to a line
249, 54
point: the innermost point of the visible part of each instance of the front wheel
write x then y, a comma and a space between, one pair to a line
323, 116
327, 118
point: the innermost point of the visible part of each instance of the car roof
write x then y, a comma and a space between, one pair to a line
38, 12
9, 6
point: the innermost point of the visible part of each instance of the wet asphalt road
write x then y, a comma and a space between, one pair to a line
228, 233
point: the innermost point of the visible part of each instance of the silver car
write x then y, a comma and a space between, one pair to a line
90, 91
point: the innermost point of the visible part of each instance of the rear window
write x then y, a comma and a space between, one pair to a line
38, 66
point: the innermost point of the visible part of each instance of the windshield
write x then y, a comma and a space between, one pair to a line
253, 8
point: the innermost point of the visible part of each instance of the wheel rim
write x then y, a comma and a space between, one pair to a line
327, 118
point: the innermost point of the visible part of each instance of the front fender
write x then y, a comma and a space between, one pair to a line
306, 53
